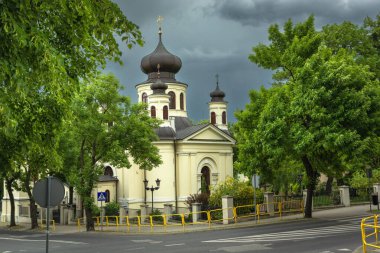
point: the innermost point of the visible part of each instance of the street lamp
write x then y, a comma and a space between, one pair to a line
152, 189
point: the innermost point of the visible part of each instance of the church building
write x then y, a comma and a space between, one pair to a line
194, 157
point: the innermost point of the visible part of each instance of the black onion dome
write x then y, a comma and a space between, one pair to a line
168, 62
217, 95
158, 87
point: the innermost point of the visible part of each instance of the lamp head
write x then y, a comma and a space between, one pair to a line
158, 181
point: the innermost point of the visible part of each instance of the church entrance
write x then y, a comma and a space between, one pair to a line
205, 180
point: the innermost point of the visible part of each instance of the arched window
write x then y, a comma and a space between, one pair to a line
181, 102
213, 118
166, 112
144, 98
153, 111
108, 171
224, 118
107, 196
205, 180
171, 100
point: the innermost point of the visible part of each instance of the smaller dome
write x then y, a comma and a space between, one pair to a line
158, 87
217, 95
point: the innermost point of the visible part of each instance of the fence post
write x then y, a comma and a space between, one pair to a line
227, 206
144, 213
344, 193
196, 208
268, 199
168, 210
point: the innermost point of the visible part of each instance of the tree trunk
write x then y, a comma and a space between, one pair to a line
312, 179
329, 185
33, 208
8, 185
90, 226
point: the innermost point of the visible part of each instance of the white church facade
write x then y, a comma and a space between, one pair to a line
191, 154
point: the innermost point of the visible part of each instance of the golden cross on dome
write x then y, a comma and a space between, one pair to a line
159, 22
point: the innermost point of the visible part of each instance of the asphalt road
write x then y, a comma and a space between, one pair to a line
309, 236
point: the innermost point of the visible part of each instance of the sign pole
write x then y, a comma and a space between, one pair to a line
48, 213
254, 195
102, 215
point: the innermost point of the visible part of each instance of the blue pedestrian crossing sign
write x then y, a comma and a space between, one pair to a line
102, 196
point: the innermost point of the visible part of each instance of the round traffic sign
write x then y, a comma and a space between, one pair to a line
40, 192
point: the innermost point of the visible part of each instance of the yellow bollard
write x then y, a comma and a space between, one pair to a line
375, 226
209, 218
363, 237
234, 213
151, 220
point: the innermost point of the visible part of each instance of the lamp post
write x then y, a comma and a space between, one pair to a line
152, 189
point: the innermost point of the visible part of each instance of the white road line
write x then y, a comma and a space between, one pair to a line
33, 240
348, 250
176, 244
134, 249
292, 235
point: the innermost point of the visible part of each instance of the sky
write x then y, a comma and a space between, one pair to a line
216, 37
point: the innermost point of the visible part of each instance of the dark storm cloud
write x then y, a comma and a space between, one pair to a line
258, 12
216, 36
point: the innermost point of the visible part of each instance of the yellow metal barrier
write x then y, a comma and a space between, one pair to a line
52, 222
209, 216
111, 218
370, 229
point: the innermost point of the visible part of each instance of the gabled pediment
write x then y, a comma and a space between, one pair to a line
210, 133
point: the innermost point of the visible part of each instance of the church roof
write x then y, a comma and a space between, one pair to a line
182, 123
165, 133
184, 128
189, 131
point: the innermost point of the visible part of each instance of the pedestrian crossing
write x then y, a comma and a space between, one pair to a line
302, 234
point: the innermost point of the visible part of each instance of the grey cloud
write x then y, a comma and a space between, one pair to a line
259, 12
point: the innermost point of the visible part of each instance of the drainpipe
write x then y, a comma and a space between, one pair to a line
175, 176
144, 187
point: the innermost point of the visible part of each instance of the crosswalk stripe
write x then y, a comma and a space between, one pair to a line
292, 235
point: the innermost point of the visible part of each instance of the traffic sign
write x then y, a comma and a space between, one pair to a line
102, 196
43, 190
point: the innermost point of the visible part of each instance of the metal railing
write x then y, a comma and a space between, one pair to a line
370, 232
203, 217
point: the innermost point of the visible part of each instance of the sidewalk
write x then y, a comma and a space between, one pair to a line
337, 213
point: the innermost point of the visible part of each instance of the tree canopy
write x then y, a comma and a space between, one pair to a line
321, 112
46, 49
105, 129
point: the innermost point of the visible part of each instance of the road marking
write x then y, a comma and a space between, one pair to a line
348, 250
302, 234
134, 249
176, 244
34, 240
7, 251
146, 241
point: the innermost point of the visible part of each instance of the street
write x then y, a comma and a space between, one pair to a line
316, 235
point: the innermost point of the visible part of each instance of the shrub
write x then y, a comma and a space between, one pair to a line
242, 193
202, 198
112, 208
158, 217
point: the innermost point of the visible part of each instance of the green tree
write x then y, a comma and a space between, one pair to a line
46, 48
105, 128
321, 114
